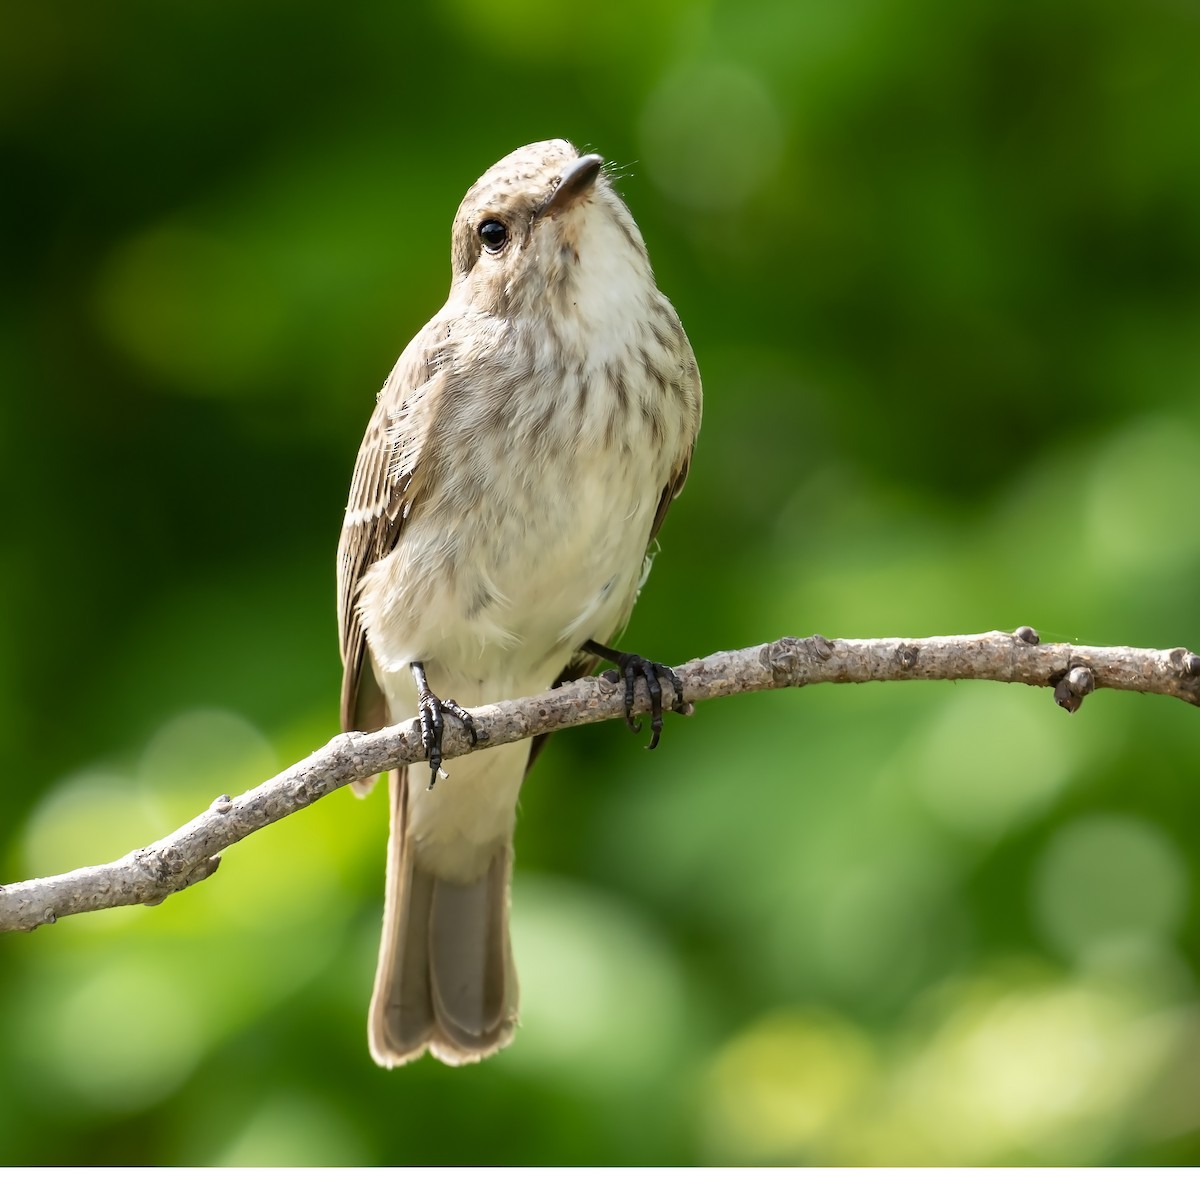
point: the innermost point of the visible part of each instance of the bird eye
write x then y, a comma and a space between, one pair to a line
494, 235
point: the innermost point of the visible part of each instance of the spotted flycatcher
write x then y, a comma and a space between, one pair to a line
518, 464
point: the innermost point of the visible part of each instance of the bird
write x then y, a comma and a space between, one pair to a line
505, 501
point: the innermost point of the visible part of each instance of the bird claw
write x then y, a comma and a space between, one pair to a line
631, 667
430, 709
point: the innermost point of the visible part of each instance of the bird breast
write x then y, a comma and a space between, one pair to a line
530, 535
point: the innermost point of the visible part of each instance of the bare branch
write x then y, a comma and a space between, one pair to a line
191, 853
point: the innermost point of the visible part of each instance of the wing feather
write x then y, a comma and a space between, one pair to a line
386, 482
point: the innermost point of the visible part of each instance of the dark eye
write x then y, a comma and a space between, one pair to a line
494, 235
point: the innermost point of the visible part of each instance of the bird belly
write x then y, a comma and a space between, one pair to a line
495, 597
494, 601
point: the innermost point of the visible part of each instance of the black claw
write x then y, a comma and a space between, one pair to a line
631, 667
432, 728
468, 723
433, 725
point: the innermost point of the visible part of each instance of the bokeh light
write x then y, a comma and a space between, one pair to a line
1104, 880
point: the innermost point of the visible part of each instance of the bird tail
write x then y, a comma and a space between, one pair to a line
446, 981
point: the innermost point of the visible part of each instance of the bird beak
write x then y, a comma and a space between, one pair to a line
576, 182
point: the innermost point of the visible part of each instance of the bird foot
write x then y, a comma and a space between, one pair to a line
430, 709
631, 667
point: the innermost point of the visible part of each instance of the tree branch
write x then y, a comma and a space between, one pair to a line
191, 853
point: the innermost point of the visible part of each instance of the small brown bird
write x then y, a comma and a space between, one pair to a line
517, 467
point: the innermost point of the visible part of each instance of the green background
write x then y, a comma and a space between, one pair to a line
940, 263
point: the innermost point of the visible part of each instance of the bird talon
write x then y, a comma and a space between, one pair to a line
430, 709
629, 668
468, 723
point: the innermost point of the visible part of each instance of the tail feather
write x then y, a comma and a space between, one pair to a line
446, 981
471, 971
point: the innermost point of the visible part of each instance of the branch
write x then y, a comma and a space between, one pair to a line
191, 853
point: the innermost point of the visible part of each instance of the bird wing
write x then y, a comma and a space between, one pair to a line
387, 482
671, 491
688, 391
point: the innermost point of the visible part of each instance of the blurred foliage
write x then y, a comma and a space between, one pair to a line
941, 267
